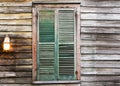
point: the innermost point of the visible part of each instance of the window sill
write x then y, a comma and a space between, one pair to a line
57, 82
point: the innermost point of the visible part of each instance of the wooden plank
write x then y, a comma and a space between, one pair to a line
23, 68
102, 16
9, 80
100, 50
16, 55
7, 74
100, 57
21, 49
101, 78
17, 9
13, 0
15, 80
16, 16
109, 83
23, 61
78, 67
18, 42
23, 80
34, 44
13, 61
23, 55
23, 74
100, 43
15, 28
101, 37
15, 74
101, 3
99, 30
100, 71
107, 10
16, 3
15, 22
16, 34
40, 85
100, 64
57, 5
54, 1
100, 23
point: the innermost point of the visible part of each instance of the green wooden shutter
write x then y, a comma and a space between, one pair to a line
66, 22
56, 45
46, 50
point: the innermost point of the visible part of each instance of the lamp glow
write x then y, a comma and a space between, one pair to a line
6, 43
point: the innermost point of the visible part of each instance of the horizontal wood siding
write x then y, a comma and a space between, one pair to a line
39, 85
56, 1
16, 21
100, 42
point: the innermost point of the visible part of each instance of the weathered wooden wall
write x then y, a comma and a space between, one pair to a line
100, 38
100, 42
15, 20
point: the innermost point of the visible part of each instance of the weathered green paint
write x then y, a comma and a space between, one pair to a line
56, 45
66, 44
46, 51
46, 25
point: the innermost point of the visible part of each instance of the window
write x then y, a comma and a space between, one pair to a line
56, 52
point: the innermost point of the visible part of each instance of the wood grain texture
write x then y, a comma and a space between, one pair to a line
100, 37
4, 62
109, 83
100, 3
16, 4
16, 22
101, 78
34, 44
16, 9
100, 43
16, 16
100, 71
14, 0
102, 16
56, 1
22, 68
100, 57
97, 10
100, 64
40, 85
100, 50
19, 55
101, 30
14, 74
15, 28
15, 80
17, 34
101, 23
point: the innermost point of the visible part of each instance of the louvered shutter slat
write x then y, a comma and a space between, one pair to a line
46, 50
46, 25
66, 44
46, 65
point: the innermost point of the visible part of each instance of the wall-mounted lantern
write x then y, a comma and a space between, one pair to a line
6, 43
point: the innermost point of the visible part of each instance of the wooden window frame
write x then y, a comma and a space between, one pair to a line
34, 41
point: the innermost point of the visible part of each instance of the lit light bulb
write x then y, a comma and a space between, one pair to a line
6, 43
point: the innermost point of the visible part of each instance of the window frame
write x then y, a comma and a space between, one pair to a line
35, 9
